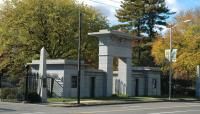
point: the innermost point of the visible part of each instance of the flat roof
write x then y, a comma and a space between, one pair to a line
146, 68
116, 33
142, 69
56, 61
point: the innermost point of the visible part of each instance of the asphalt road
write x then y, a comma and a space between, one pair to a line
140, 108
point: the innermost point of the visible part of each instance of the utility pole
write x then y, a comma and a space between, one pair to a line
79, 58
170, 57
170, 66
1, 75
26, 87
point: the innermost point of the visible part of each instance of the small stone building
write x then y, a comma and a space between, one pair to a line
128, 80
65, 74
145, 82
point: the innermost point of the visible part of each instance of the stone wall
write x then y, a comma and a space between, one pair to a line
100, 83
86, 75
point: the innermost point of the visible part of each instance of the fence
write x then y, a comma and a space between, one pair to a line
11, 90
19, 91
180, 87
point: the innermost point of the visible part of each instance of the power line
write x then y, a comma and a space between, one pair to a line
115, 1
104, 4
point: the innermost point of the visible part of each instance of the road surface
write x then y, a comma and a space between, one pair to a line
140, 108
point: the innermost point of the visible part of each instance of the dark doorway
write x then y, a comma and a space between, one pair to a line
92, 87
136, 87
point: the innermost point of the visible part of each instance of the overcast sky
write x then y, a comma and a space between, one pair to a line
109, 7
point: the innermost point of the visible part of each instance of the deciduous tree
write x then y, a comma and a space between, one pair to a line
186, 38
28, 25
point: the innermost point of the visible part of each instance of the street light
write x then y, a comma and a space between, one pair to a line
170, 57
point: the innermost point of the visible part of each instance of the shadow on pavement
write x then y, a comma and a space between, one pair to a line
6, 110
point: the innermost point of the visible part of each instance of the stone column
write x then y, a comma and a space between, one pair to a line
106, 64
124, 74
198, 82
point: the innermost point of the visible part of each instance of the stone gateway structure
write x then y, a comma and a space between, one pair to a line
127, 80
115, 44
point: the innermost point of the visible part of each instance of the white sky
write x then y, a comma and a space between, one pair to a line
106, 7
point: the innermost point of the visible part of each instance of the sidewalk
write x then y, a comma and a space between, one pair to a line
119, 101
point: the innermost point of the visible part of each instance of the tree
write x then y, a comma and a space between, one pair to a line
141, 18
186, 38
28, 25
144, 15
132, 12
141, 53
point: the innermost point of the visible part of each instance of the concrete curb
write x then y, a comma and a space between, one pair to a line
116, 103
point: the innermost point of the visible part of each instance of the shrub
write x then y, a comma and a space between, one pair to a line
11, 96
4, 93
20, 96
33, 97
8, 93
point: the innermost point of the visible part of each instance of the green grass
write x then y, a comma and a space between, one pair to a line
60, 99
65, 100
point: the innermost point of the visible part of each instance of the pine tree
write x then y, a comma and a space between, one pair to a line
156, 13
143, 15
132, 12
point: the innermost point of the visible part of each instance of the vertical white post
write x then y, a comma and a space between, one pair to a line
42, 86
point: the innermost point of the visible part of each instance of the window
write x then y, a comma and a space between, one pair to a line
154, 83
74, 82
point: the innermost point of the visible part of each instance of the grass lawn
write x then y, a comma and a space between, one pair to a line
65, 100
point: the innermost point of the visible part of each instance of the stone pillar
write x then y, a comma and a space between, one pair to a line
42, 83
198, 82
124, 74
106, 64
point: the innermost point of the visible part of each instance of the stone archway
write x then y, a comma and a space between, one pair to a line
115, 44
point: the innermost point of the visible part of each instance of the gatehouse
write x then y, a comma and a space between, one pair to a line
103, 82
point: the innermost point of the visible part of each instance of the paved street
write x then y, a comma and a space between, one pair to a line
141, 108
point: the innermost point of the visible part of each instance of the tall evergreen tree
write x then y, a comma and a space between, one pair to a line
143, 15
132, 12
